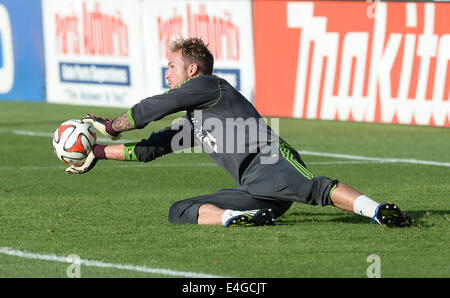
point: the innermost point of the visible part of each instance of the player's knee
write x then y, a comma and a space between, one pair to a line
175, 213
321, 192
183, 212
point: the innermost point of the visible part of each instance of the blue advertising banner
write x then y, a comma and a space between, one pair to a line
22, 74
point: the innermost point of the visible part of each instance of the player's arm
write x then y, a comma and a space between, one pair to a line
196, 93
176, 137
122, 123
110, 128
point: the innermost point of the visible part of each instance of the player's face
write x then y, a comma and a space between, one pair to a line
178, 71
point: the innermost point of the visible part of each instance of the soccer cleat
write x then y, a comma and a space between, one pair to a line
388, 214
258, 217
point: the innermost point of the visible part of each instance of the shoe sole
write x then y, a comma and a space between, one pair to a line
390, 215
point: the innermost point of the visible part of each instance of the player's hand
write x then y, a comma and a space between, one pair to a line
88, 164
100, 124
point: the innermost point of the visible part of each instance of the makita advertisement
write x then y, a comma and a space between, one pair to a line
356, 61
21, 51
93, 52
226, 26
367, 61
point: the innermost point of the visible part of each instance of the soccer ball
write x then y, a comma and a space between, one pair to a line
73, 141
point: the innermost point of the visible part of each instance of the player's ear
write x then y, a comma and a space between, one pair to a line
193, 70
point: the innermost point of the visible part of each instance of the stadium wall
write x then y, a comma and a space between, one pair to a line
334, 60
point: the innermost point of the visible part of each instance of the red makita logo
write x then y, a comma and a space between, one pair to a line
102, 34
389, 63
218, 31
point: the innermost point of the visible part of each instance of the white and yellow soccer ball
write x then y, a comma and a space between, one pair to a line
73, 140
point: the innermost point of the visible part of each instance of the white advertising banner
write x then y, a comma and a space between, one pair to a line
93, 52
226, 26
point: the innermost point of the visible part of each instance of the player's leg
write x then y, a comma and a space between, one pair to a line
211, 208
293, 181
209, 214
324, 191
343, 196
349, 199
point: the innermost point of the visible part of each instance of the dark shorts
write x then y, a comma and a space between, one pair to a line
263, 185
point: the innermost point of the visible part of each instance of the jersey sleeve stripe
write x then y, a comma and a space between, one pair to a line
219, 98
130, 118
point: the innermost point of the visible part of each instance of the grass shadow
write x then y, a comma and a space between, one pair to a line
421, 218
298, 217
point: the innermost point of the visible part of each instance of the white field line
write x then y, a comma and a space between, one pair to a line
100, 264
50, 135
302, 152
128, 165
376, 159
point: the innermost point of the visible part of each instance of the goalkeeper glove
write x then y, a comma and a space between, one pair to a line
88, 164
103, 125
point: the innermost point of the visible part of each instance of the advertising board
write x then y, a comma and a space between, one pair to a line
226, 26
93, 52
383, 62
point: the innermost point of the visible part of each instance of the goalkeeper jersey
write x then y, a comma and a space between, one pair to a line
218, 118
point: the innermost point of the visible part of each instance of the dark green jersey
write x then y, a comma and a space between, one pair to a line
218, 118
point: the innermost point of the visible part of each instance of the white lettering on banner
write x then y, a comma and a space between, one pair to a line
103, 34
7, 53
217, 31
359, 84
95, 74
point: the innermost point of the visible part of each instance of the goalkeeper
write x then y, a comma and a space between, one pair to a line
269, 172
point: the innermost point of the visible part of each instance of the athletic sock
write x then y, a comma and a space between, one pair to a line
228, 213
365, 206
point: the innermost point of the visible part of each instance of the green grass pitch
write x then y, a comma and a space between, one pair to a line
117, 213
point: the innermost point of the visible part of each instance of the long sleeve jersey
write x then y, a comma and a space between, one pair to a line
218, 118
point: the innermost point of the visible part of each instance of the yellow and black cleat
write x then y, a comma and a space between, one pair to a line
388, 214
259, 217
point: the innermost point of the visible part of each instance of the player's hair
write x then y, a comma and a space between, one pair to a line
195, 51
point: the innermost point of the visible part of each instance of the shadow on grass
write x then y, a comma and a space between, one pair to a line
425, 218
297, 217
429, 218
